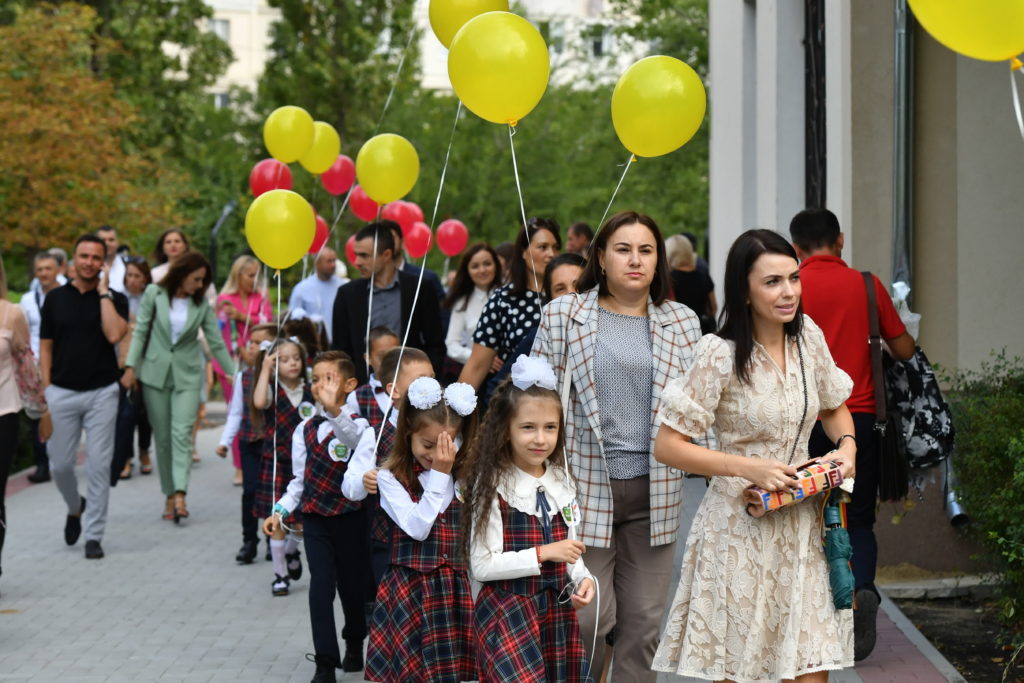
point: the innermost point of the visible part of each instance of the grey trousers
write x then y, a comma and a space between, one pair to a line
634, 582
96, 412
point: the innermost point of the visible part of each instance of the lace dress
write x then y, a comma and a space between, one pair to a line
753, 602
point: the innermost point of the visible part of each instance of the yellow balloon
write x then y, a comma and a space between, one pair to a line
657, 106
280, 226
324, 150
498, 65
992, 30
288, 133
387, 167
448, 16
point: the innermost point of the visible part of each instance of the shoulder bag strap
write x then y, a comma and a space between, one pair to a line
875, 345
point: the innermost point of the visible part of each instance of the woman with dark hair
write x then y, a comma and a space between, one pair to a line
513, 310
479, 273
131, 412
165, 349
617, 343
754, 600
170, 245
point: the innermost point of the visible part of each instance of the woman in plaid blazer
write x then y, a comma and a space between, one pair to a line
630, 502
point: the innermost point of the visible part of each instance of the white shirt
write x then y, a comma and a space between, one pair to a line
364, 460
416, 519
179, 316
235, 408
117, 271
33, 309
294, 394
383, 398
345, 429
459, 342
316, 297
487, 559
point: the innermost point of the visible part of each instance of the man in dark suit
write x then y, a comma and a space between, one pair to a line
392, 302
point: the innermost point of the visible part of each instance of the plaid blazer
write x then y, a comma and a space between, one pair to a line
566, 338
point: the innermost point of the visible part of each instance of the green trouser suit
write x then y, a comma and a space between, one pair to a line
173, 374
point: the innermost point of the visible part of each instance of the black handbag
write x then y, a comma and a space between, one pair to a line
893, 466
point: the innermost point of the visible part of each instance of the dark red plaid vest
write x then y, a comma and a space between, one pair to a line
380, 524
368, 408
521, 531
321, 483
441, 547
284, 417
246, 432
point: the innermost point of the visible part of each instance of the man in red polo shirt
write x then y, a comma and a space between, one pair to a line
835, 298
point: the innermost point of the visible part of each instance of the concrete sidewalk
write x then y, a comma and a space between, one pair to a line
169, 603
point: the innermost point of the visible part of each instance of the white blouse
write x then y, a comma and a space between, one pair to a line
416, 518
487, 559
459, 342
363, 460
179, 316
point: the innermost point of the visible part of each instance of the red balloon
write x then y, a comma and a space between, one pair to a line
340, 176
321, 235
413, 214
393, 211
269, 174
404, 213
417, 240
350, 249
452, 237
362, 206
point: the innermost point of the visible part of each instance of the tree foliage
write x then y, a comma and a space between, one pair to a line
65, 164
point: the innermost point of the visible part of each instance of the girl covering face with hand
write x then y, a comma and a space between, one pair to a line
421, 628
519, 531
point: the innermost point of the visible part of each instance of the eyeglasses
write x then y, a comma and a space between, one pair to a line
134, 259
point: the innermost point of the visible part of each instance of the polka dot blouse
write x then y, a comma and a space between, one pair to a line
506, 319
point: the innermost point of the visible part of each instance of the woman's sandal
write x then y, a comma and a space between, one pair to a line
169, 509
126, 473
145, 465
180, 511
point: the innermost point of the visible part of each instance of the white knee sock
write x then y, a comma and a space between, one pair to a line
277, 555
291, 544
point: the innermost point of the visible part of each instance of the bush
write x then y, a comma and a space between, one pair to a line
988, 405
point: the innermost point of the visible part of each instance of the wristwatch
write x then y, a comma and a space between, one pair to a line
107, 295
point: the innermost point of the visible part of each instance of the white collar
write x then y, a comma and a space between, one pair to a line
519, 489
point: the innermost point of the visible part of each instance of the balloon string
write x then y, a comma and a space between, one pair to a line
1015, 66
394, 80
522, 207
600, 224
423, 268
369, 305
277, 368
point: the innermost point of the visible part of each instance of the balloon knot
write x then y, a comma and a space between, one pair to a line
512, 123
1016, 64
632, 158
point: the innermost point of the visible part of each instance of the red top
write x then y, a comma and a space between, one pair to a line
834, 297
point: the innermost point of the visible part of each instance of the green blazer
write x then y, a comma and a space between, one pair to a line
178, 365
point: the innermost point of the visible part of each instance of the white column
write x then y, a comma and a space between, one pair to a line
838, 120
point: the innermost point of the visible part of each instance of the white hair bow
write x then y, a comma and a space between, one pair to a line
425, 393
528, 371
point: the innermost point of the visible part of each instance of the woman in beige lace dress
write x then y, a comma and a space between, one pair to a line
754, 602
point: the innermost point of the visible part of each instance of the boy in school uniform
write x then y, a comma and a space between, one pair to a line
371, 400
334, 526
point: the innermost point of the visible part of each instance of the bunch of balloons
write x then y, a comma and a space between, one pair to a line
406, 214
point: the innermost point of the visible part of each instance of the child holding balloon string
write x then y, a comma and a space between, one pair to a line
518, 533
278, 410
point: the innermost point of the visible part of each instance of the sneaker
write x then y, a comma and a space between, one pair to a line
73, 526
93, 550
325, 667
864, 616
353, 660
247, 553
280, 585
294, 564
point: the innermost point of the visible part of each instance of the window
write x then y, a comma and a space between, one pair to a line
221, 100
222, 29
600, 40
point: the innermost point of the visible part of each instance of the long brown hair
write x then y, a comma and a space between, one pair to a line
490, 458
410, 420
181, 268
256, 414
463, 286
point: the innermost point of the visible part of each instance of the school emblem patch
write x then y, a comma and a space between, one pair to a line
338, 451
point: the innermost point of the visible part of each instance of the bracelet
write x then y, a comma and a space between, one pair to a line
839, 441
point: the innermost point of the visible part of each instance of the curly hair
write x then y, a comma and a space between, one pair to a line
490, 458
410, 420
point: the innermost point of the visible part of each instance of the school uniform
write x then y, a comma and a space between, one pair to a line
250, 445
370, 400
367, 457
333, 527
421, 628
291, 407
523, 633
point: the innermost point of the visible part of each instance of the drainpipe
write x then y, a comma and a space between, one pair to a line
903, 147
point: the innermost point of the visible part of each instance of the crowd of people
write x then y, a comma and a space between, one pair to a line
526, 425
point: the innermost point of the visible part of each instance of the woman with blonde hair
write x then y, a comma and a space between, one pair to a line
691, 286
240, 305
